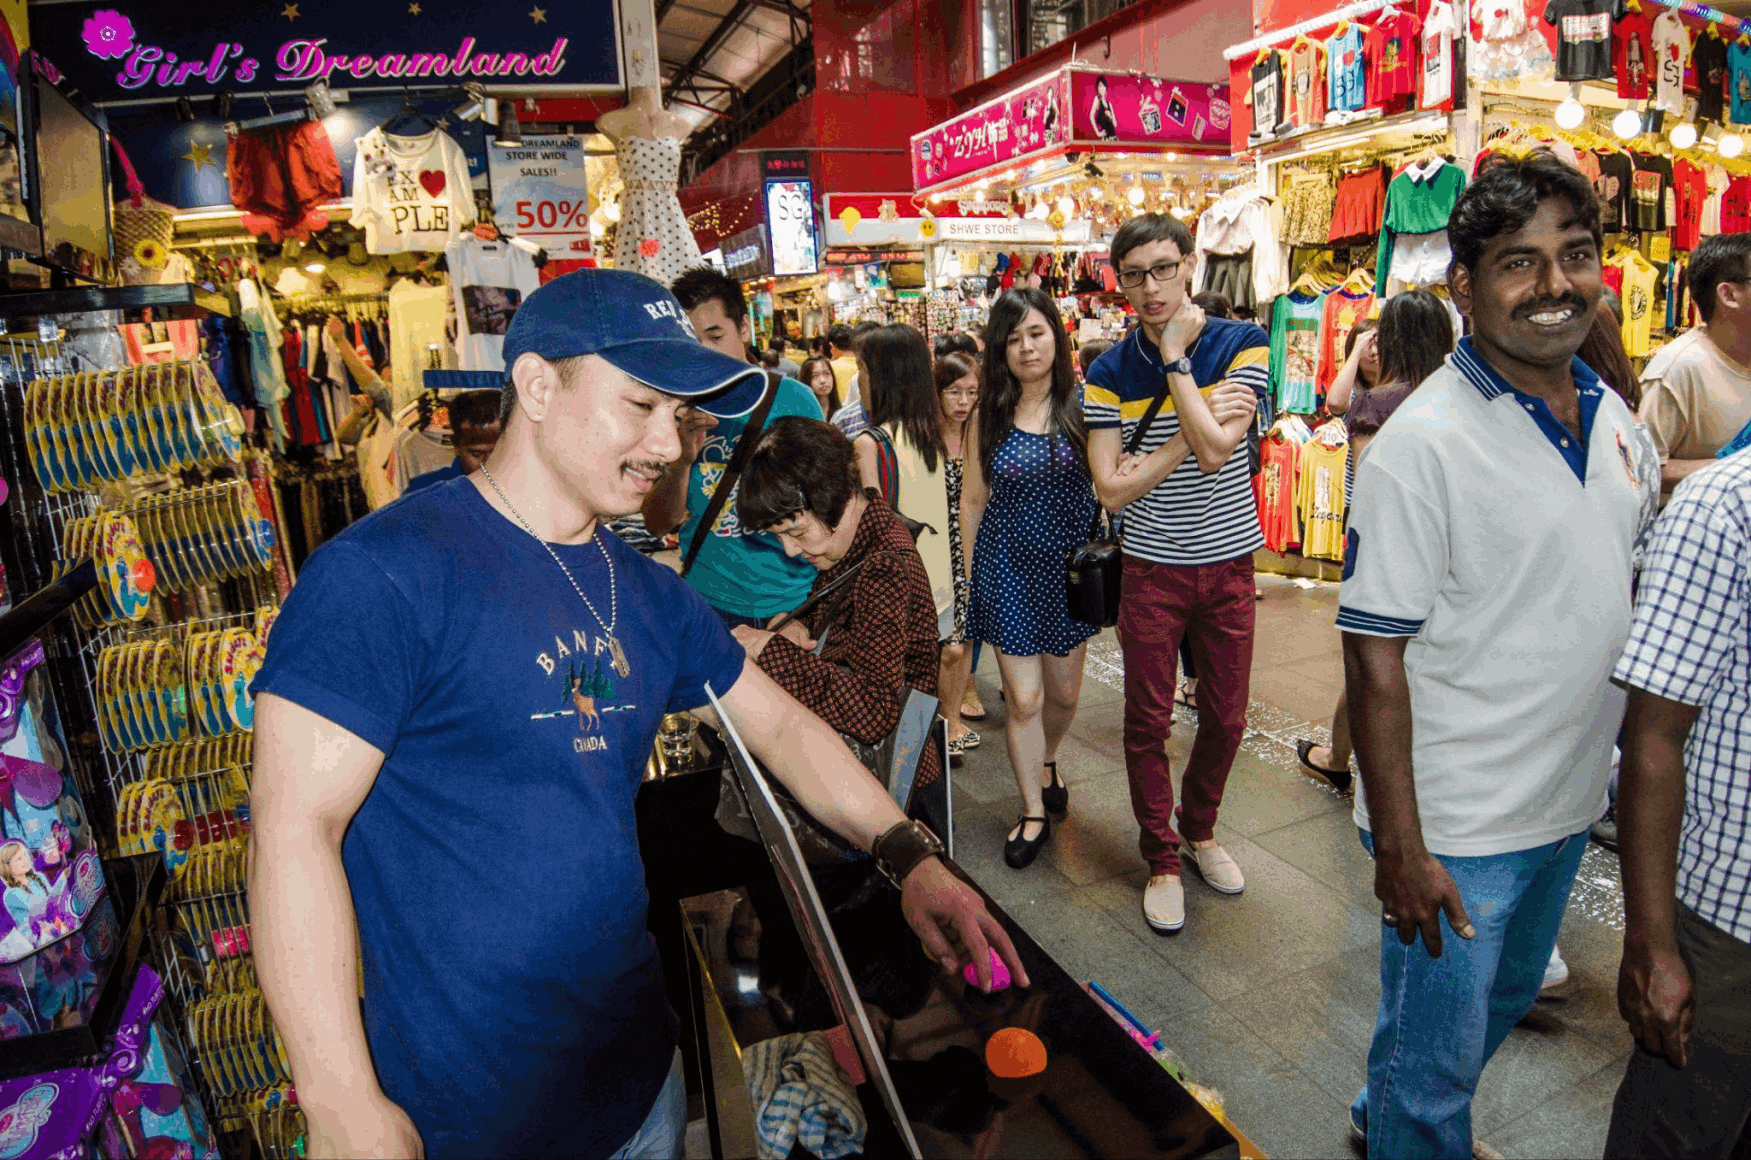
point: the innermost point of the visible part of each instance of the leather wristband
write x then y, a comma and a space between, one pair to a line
902, 847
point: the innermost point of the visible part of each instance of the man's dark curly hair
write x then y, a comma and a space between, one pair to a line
1506, 194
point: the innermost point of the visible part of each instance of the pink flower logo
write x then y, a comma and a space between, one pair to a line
108, 34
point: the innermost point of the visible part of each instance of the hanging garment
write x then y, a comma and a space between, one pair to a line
1392, 56
1506, 47
490, 281
1418, 202
1639, 281
1343, 309
410, 193
653, 237
1651, 193
1346, 71
1708, 62
1360, 205
1230, 275
1306, 83
1583, 38
1307, 207
1437, 53
416, 324
1739, 81
1616, 179
256, 313
1320, 493
1276, 485
1242, 220
281, 176
1295, 322
1267, 94
1670, 41
1690, 191
1632, 44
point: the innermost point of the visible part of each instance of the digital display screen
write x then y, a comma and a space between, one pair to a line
790, 218
75, 195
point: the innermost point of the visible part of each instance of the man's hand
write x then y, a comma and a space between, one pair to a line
696, 428
793, 631
951, 921
1182, 330
1656, 998
1414, 891
1232, 400
367, 1126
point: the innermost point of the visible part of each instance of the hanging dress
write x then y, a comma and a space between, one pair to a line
653, 237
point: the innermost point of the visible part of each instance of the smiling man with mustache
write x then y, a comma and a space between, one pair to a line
1486, 598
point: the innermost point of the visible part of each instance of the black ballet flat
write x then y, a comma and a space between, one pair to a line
1057, 795
1020, 852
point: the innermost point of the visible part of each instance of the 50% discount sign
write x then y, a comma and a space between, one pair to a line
541, 191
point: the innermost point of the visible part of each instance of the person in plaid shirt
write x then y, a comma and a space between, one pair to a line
1684, 819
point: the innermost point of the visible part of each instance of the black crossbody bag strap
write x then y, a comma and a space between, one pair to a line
1136, 441
738, 458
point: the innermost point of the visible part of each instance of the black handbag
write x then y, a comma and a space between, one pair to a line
1093, 570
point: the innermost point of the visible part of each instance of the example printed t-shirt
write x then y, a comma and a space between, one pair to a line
1306, 83
1295, 350
1346, 71
748, 575
1634, 55
512, 995
1392, 56
1709, 62
490, 281
1739, 81
1515, 609
1267, 93
1583, 32
1437, 53
1191, 517
1671, 45
1639, 281
410, 193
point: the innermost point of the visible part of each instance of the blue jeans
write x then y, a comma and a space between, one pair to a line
661, 1135
1441, 1020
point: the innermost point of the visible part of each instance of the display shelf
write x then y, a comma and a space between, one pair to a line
78, 299
39, 610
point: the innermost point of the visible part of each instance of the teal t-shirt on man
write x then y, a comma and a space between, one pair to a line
746, 575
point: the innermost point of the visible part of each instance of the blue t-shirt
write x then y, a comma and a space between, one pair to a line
1739, 82
513, 997
451, 470
748, 575
1347, 77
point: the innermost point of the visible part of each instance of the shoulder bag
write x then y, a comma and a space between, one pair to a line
1093, 569
727, 483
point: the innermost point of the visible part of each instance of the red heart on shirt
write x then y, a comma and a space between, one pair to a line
432, 181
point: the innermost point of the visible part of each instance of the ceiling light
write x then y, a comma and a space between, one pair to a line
1066, 206
611, 211
315, 267
1730, 145
1570, 114
1136, 195
1627, 124
510, 132
1683, 135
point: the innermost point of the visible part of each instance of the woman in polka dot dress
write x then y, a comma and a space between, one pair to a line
1027, 499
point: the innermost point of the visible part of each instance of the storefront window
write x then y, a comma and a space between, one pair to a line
1011, 29
996, 36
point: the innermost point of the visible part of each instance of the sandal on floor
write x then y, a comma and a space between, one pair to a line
978, 705
1057, 795
1338, 779
1019, 852
1182, 697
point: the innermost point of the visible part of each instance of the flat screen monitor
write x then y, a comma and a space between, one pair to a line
71, 178
17, 230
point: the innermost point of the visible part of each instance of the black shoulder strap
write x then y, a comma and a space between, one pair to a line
738, 457
1155, 405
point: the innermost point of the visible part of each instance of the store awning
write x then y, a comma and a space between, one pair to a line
1074, 108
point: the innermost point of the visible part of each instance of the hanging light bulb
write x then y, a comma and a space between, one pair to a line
1136, 195
1730, 145
1066, 206
611, 211
1683, 135
1627, 124
1570, 114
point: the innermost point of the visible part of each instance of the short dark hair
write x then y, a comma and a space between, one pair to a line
568, 369
1506, 195
475, 409
1150, 227
769, 358
839, 335
1214, 303
947, 344
707, 283
1416, 336
799, 465
1717, 259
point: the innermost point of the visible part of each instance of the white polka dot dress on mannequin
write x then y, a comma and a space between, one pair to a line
652, 237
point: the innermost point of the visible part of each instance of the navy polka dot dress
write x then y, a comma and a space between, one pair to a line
1041, 505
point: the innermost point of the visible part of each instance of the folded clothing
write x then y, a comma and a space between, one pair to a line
801, 1096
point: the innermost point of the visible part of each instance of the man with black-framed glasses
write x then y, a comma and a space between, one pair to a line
1190, 530
1696, 391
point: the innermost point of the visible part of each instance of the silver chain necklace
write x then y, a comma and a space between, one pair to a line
615, 652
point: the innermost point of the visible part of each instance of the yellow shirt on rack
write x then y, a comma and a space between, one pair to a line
1639, 280
1320, 498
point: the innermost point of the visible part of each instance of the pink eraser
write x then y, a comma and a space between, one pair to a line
999, 974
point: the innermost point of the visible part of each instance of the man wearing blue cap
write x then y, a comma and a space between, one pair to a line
452, 722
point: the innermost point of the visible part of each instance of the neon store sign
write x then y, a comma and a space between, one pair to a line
110, 35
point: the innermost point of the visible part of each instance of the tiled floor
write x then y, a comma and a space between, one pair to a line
1270, 996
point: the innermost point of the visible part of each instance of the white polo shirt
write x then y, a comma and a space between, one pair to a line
1502, 547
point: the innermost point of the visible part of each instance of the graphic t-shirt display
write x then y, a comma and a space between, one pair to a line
1670, 42
1708, 59
1649, 192
1739, 81
410, 193
747, 574
1392, 56
1306, 83
1342, 311
509, 1013
1690, 189
1583, 38
1639, 281
1616, 175
1437, 54
1267, 93
1295, 350
1347, 87
489, 281
1633, 55
1736, 206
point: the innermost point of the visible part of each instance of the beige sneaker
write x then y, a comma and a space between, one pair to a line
1164, 904
1215, 867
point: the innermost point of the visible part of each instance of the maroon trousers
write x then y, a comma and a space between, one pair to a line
1210, 606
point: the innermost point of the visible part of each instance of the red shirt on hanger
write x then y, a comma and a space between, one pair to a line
1736, 206
1391, 49
1690, 184
1632, 55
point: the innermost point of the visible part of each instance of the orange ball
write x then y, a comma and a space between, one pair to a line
1015, 1053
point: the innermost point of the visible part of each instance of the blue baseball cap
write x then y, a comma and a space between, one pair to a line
638, 327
